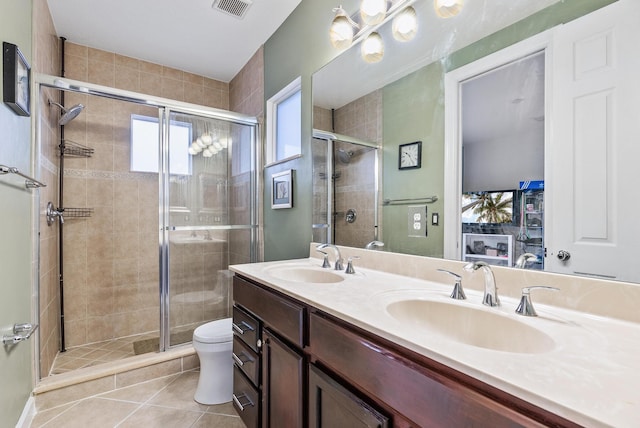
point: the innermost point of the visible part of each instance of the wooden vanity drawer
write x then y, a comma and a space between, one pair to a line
246, 360
247, 328
280, 313
245, 399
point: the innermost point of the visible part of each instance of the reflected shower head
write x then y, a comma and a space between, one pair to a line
68, 114
344, 156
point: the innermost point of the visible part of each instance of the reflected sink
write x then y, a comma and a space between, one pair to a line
471, 326
305, 274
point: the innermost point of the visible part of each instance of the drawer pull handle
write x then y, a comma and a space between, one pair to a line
240, 360
240, 329
237, 398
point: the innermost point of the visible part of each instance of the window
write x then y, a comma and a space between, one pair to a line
145, 135
284, 116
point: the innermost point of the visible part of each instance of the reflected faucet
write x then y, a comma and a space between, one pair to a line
524, 258
374, 245
490, 290
339, 262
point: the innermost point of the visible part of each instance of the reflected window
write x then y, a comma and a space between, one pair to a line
145, 137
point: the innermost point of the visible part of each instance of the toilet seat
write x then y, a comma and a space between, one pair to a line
214, 332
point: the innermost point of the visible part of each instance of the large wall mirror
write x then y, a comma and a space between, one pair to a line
568, 198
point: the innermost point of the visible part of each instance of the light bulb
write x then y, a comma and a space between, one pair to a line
372, 49
405, 25
341, 31
207, 153
217, 146
207, 139
199, 143
195, 146
192, 151
447, 8
224, 142
373, 12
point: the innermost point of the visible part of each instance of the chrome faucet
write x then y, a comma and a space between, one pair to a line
373, 245
524, 258
339, 262
490, 297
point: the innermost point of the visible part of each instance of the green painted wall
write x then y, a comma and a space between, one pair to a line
298, 48
413, 110
15, 229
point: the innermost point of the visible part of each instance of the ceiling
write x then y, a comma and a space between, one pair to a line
186, 35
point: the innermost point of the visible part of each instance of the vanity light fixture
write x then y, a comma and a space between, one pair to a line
405, 25
341, 30
372, 48
447, 8
345, 31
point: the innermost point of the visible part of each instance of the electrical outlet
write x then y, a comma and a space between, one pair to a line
417, 225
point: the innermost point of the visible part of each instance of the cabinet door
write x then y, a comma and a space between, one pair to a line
283, 389
332, 406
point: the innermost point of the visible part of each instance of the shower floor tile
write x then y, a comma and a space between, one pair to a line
96, 353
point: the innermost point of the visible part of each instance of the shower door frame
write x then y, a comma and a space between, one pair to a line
165, 107
331, 138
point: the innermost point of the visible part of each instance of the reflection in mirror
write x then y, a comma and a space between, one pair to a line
410, 85
503, 149
345, 177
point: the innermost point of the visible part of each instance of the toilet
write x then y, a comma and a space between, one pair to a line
213, 343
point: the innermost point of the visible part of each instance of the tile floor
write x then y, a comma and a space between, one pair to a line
96, 353
165, 402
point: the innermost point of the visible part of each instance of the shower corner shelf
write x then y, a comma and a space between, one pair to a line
71, 148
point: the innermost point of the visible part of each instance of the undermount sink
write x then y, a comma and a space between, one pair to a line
471, 326
305, 274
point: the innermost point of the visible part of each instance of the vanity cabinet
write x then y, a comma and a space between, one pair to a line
280, 373
320, 371
332, 405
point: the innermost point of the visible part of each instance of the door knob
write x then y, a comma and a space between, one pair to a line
563, 255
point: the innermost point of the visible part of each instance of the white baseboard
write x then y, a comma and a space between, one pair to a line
28, 413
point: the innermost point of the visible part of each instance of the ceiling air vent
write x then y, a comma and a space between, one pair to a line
237, 8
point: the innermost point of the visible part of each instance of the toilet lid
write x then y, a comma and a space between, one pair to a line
214, 332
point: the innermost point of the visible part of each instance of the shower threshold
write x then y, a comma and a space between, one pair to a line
98, 353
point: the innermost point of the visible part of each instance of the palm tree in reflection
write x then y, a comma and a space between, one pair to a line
490, 207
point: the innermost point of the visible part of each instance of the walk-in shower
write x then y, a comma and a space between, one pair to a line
148, 225
345, 190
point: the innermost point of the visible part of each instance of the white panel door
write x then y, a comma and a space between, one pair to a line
593, 156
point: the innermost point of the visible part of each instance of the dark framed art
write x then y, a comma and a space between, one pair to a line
15, 79
410, 155
282, 190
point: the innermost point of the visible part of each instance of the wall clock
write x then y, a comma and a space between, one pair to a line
410, 155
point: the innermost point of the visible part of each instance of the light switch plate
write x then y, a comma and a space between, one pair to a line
417, 224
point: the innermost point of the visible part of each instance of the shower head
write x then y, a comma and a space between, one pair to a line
344, 156
68, 114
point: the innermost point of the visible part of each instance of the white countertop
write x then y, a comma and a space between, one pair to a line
591, 374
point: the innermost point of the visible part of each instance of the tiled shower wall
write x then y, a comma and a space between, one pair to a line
111, 258
46, 60
246, 95
354, 183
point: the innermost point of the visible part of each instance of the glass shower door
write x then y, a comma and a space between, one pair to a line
209, 213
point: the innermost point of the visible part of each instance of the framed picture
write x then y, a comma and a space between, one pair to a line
410, 155
282, 190
15, 79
